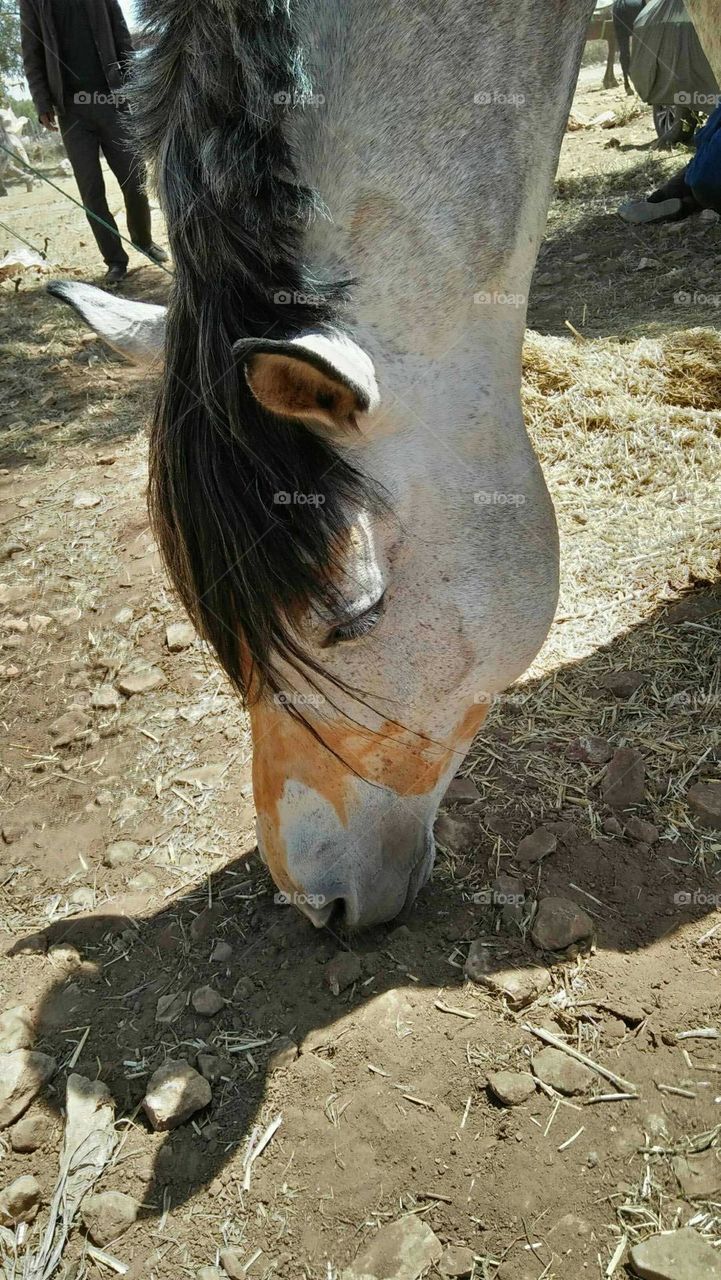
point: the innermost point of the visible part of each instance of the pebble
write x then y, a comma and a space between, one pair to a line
638, 829
403, 1250
231, 1261
455, 833
213, 1068
135, 682
676, 1255
462, 791
84, 500
699, 1176
623, 683
31, 1132
22, 1075
508, 897
20, 1201
120, 852
179, 636
284, 1053
222, 953
539, 844
520, 987
70, 726
209, 1273
456, 1262
589, 750
204, 775
342, 971
207, 1001
143, 882
624, 782
704, 800
511, 1087
16, 1029
170, 1007
559, 923
107, 1215
105, 698
564, 1074
175, 1092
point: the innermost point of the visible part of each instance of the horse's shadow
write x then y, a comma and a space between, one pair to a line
275, 978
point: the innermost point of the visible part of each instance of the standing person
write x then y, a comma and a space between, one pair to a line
77, 55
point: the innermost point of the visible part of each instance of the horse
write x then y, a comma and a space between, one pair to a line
625, 13
341, 483
603, 27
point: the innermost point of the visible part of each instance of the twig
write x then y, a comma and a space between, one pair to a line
451, 1008
260, 1145
542, 1034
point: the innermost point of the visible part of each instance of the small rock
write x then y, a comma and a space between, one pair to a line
143, 882
624, 779
222, 953
135, 682
22, 1075
455, 833
20, 1201
612, 826
11, 548
508, 897
207, 1001
699, 1176
107, 1215
206, 921
562, 1073
462, 791
15, 828
538, 845
589, 750
83, 897
559, 923
704, 799
639, 829
284, 1054
511, 1087
16, 1029
175, 1092
623, 684
179, 636
209, 1273
120, 852
519, 987
205, 775
231, 1261
342, 971
65, 954
105, 698
456, 1262
84, 500
402, 1250
676, 1255
170, 1007
213, 1068
71, 726
31, 1132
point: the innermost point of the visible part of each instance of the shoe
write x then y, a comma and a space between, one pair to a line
639, 212
154, 252
116, 273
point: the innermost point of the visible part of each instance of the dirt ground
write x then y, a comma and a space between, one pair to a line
385, 1109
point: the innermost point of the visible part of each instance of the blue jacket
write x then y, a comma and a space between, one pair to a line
703, 174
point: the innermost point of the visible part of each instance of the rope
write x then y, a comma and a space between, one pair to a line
40, 252
26, 165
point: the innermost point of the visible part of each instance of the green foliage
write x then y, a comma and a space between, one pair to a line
11, 63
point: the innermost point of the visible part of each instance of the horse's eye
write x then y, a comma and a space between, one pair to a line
356, 628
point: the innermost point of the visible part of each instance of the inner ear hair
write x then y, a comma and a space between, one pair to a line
296, 388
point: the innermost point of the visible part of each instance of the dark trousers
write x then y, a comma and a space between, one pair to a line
677, 188
87, 129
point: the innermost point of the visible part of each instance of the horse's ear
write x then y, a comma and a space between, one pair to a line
135, 329
326, 380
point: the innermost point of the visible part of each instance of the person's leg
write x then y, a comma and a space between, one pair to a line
129, 170
83, 150
671, 202
707, 196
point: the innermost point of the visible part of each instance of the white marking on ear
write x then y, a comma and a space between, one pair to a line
326, 380
134, 329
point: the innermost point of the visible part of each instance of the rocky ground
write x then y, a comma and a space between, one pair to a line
522, 1080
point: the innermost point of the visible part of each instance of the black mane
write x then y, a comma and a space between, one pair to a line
211, 95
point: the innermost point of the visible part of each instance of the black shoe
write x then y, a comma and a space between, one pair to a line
116, 273
154, 252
